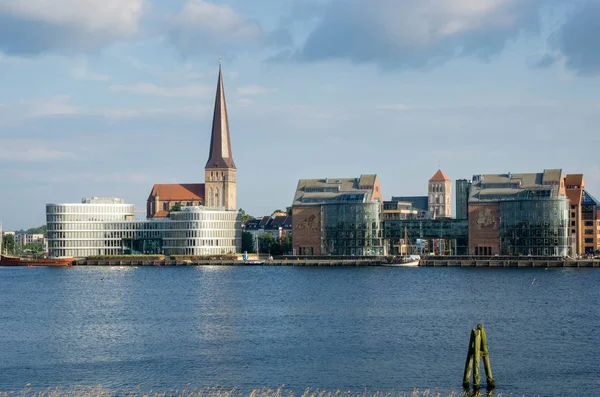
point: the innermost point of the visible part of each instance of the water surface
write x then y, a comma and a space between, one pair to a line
386, 329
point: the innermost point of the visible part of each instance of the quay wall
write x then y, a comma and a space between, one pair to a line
437, 261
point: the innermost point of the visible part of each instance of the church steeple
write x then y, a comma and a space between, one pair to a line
220, 171
220, 155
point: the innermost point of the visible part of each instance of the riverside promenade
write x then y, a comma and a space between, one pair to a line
427, 261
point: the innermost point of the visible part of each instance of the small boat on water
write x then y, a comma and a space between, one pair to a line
32, 262
404, 261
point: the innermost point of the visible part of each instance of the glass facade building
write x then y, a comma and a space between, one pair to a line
454, 232
99, 227
463, 187
352, 229
534, 227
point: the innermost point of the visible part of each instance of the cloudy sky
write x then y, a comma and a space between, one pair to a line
107, 97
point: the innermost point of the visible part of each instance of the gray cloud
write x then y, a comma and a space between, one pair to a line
29, 28
417, 33
577, 40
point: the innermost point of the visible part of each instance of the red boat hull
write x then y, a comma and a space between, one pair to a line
17, 261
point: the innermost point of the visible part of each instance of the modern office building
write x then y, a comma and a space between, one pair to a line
106, 226
463, 187
207, 222
338, 216
420, 203
519, 214
441, 236
439, 192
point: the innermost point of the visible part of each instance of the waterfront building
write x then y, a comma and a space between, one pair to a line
420, 203
443, 236
439, 191
276, 225
338, 216
396, 210
590, 216
463, 187
574, 186
106, 226
219, 188
519, 214
204, 222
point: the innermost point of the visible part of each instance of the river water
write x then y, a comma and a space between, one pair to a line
374, 328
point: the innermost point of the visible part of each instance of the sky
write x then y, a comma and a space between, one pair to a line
107, 97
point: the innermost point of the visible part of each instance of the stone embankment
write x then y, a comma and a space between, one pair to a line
506, 261
428, 261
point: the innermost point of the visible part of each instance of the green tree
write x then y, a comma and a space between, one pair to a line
288, 210
270, 245
245, 217
37, 230
8, 243
266, 243
176, 207
33, 249
248, 243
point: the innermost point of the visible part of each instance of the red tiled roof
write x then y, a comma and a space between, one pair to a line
178, 192
161, 214
439, 177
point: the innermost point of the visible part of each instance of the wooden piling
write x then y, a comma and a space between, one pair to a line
476, 359
478, 350
486, 358
469, 362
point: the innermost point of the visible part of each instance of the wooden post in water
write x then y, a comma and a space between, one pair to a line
486, 358
477, 350
469, 362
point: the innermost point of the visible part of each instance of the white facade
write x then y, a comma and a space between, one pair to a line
97, 227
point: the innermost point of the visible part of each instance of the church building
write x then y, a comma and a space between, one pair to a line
219, 189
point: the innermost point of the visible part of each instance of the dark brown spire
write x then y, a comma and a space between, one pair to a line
220, 155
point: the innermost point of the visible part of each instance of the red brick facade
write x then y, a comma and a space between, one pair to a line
307, 230
484, 236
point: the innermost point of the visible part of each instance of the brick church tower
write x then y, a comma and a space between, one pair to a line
220, 171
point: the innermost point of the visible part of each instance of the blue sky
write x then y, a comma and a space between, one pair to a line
108, 97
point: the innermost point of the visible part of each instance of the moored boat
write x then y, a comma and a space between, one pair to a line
404, 261
18, 261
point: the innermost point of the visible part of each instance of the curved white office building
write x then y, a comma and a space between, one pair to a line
106, 226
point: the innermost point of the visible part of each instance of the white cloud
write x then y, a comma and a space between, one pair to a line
244, 102
58, 105
80, 71
115, 16
218, 20
120, 114
395, 106
31, 151
116, 177
35, 26
205, 27
254, 90
153, 89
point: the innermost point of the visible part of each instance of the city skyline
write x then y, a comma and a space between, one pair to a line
106, 104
